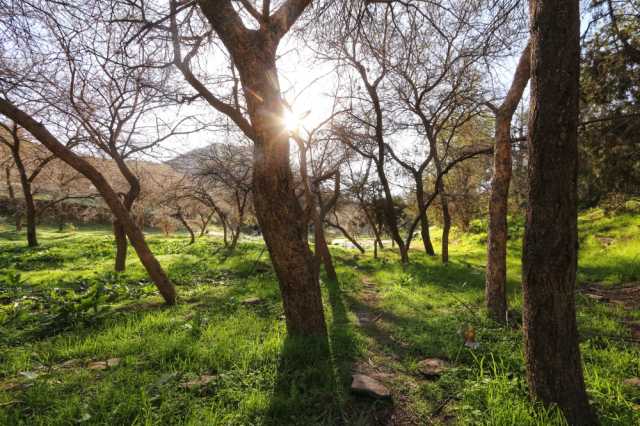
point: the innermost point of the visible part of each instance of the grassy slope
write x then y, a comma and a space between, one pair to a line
261, 376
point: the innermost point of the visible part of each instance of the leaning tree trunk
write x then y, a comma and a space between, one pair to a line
424, 219
183, 221
148, 260
549, 260
496, 274
277, 208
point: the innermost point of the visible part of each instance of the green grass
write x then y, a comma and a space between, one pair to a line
82, 311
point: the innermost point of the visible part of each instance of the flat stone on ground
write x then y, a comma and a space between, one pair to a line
252, 301
365, 385
634, 381
432, 367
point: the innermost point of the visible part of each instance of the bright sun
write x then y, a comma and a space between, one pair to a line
294, 120
291, 120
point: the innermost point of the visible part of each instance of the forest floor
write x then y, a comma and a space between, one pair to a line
80, 344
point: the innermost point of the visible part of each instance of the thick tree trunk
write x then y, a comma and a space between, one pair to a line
120, 236
496, 274
277, 208
554, 367
136, 237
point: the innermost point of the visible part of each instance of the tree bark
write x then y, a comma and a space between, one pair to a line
549, 261
496, 274
25, 184
184, 223
277, 208
120, 236
424, 220
446, 225
148, 260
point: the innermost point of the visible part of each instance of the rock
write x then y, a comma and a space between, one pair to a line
203, 380
112, 362
97, 365
31, 375
432, 367
634, 381
252, 301
72, 363
365, 385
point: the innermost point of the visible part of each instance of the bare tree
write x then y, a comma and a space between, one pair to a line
249, 39
28, 170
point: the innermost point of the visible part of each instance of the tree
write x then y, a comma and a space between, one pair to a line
496, 273
552, 353
37, 90
12, 139
251, 38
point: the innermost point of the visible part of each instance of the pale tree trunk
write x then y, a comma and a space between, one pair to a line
549, 261
155, 271
496, 274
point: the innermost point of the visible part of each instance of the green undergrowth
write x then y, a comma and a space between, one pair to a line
60, 303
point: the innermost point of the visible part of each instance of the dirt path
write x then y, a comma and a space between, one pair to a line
383, 360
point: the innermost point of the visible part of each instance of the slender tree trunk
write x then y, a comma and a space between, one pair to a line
446, 226
496, 274
390, 217
424, 220
29, 204
346, 235
155, 271
552, 353
121, 246
322, 250
235, 234
426, 236
277, 208
183, 221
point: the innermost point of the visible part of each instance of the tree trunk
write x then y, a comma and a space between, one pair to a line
155, 271
390, 217
549, 261
30, 207
424, 220
426, 236
446, 226
496, 274
121, 246
235, 234
346, 235
184, 223
277, 208
322, 250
